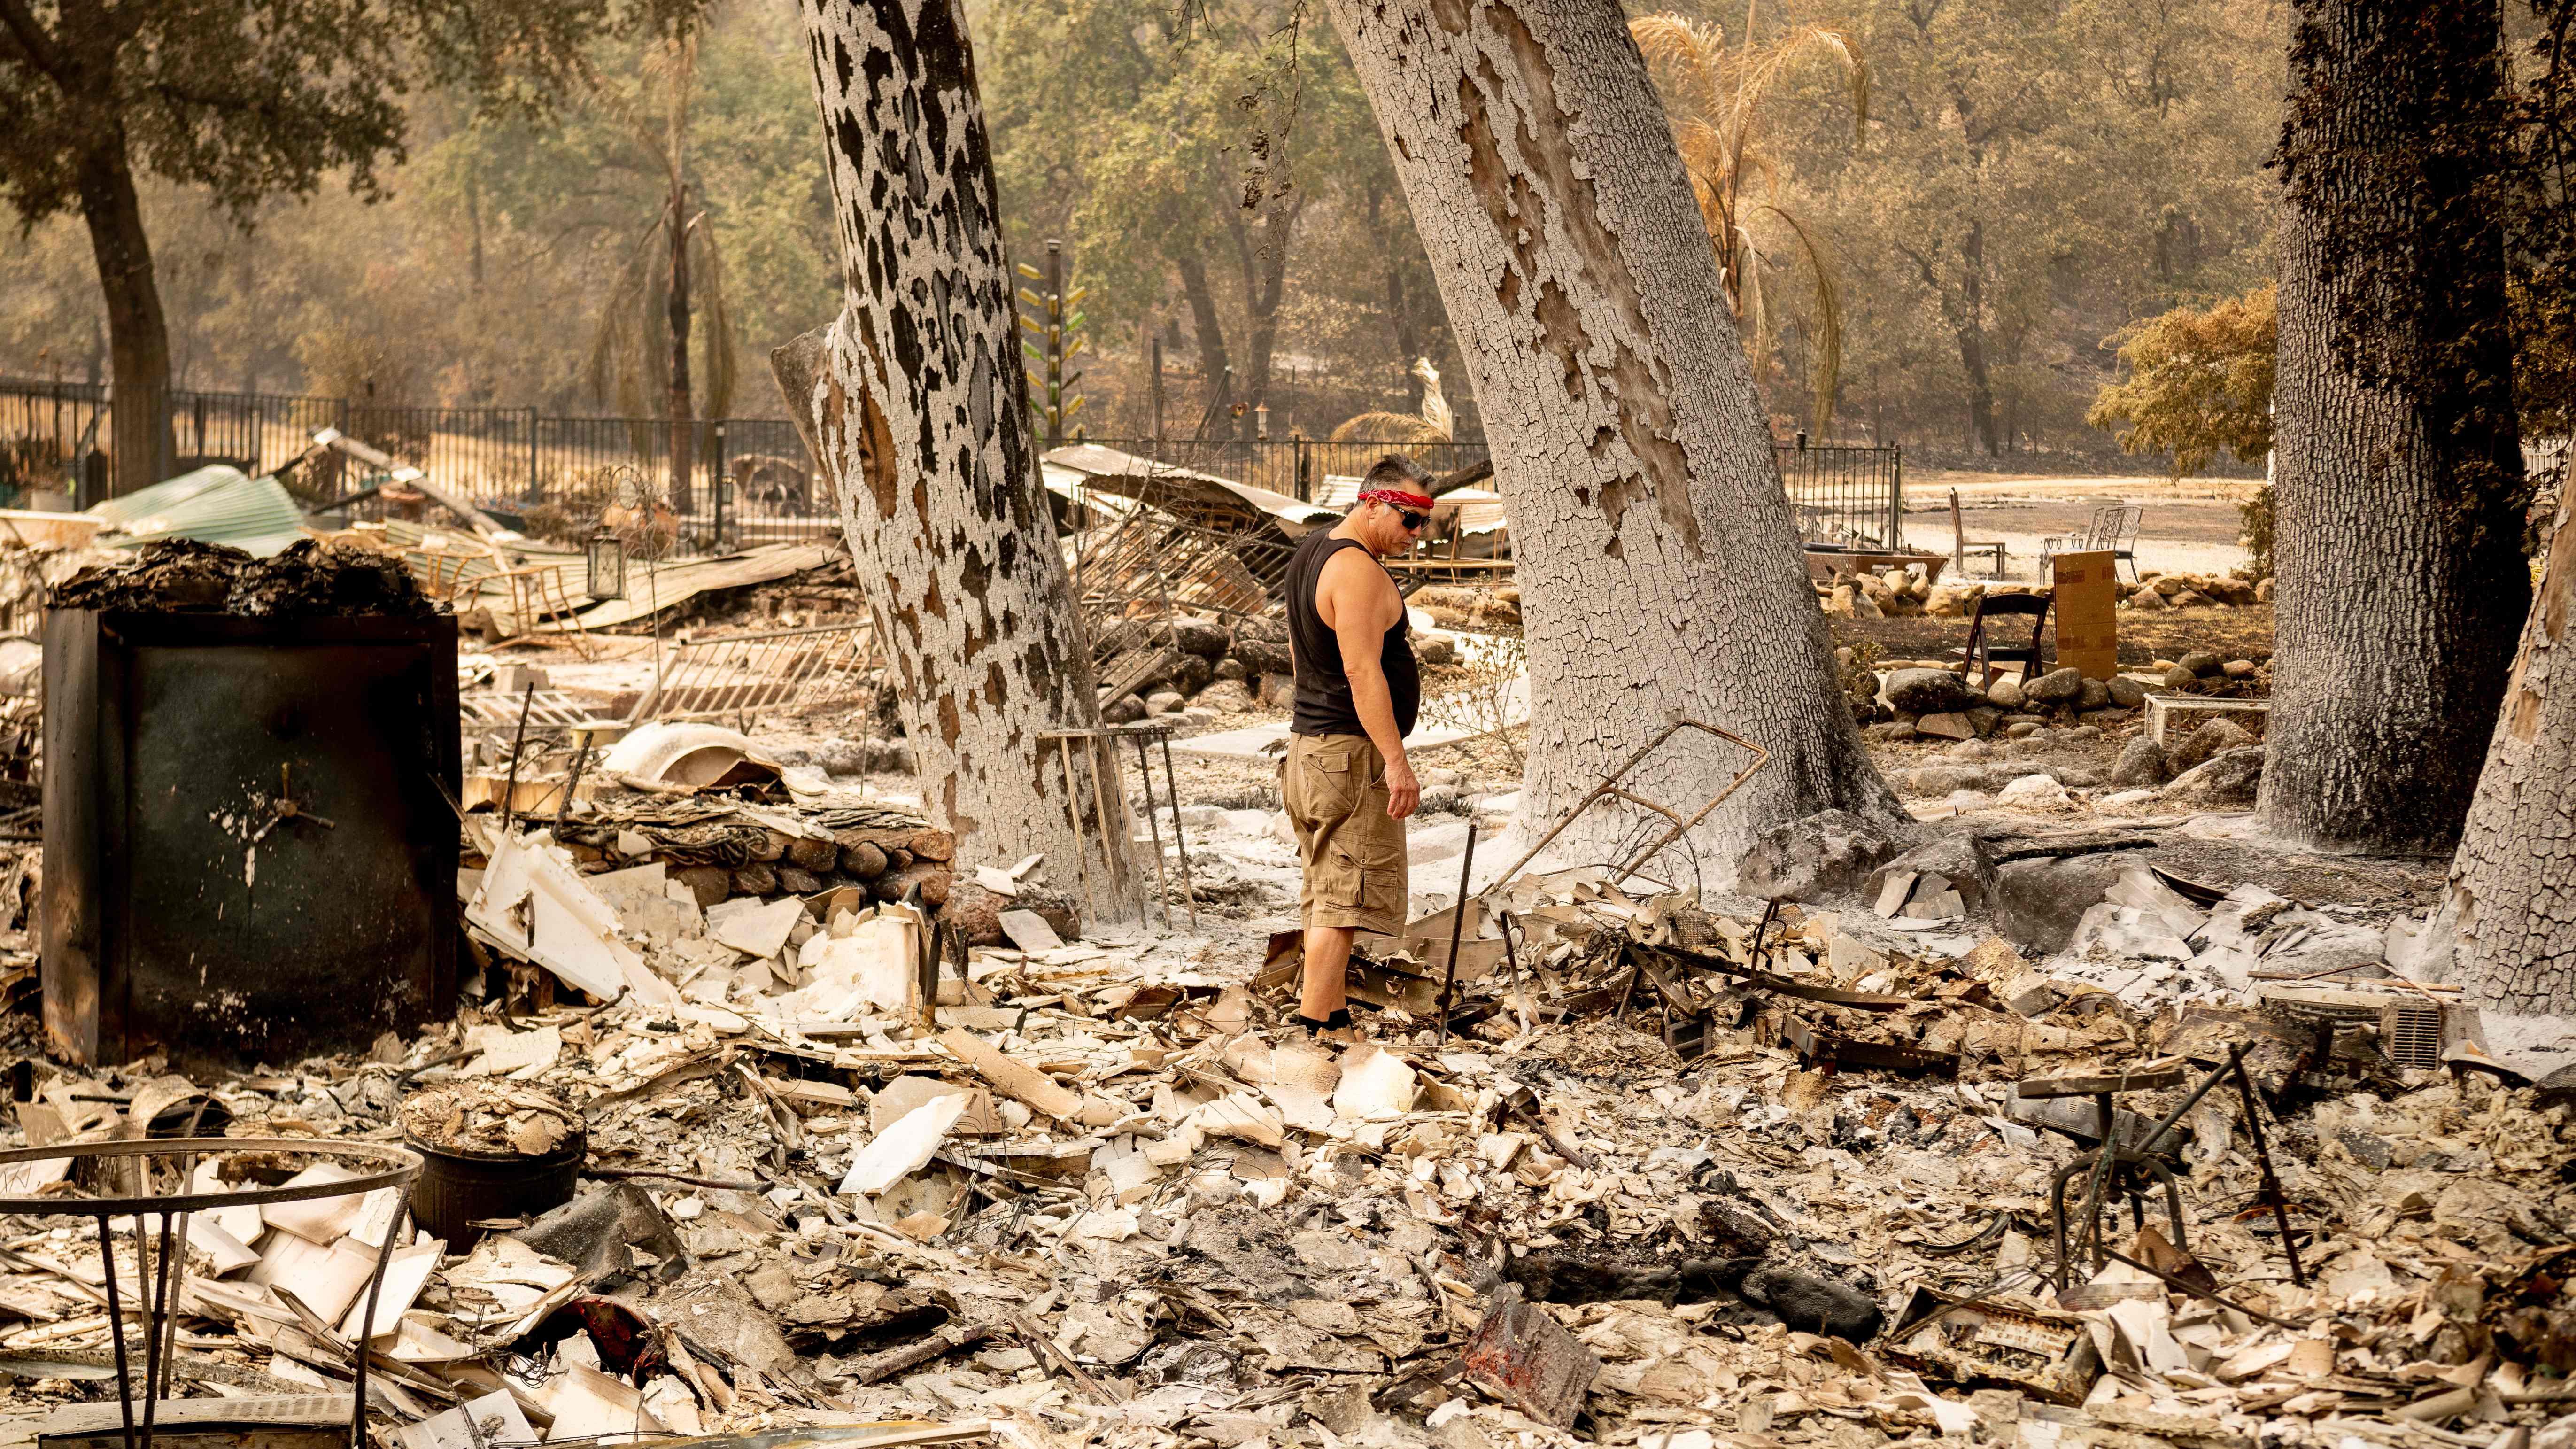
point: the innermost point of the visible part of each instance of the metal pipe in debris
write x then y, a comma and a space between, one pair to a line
1457, 927
518, 742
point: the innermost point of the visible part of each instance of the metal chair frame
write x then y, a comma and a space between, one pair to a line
1981, 654
1961, 545
2113, 530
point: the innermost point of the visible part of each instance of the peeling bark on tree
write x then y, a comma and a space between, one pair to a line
2398, 486
914, 402
1658, 557
2512, 901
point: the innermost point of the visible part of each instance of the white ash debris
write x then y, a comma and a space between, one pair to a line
1090, 1193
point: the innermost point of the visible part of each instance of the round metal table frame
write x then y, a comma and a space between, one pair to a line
162, 1273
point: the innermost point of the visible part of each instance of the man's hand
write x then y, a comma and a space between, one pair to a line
1403, 792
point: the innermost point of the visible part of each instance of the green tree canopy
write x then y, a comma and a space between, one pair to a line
246, 99
2036, 175
2199, 383
2032, 179
1216, 177
256, 98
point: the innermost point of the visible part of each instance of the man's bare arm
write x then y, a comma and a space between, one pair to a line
1364, 606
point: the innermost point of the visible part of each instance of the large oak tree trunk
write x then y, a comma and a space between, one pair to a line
914, 403
2512, 900
2399, 484
1658, 557
138, 337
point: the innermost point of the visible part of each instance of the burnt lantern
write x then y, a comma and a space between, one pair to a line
607, 558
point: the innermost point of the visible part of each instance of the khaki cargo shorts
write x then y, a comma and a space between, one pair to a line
1334, 788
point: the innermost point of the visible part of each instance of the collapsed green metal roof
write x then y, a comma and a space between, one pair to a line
214, 504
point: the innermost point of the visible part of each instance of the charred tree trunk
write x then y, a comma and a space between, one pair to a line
1972, 340
138, 336
1399, 312
474, 220
1214, 364
2512, 901
1408, 337
682, 408
1658, 557
1262, 258
1966, 313
1983, 432
1262, 331
2399, 487
914, 403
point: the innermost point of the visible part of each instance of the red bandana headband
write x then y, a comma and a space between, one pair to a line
1398, 498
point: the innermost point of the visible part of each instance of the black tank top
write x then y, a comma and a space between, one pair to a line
1323, 703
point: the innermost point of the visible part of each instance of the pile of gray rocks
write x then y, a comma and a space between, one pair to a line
1921, 701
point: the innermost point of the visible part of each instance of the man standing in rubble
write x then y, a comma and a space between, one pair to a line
1345, 782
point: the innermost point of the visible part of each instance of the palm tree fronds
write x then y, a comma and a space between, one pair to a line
1702, 145
1714, 203
631, 359
1714, 95
674, 64
707, 285
1824, 374
1761, 68
614, 345
1753, 315
1692, 54
1757, 166
644, 389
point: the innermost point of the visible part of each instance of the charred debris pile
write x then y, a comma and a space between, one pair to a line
1657, 1174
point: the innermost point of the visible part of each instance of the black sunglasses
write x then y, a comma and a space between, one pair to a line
1412, 521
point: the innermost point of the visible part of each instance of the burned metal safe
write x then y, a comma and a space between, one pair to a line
249, 847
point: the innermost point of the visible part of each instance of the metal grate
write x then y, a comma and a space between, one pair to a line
1154, 556
743, 676
1854, 497
2410, 1028
547, 708
2411, 1033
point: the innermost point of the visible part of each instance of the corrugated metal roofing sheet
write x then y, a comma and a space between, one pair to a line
214, 504
1201, 498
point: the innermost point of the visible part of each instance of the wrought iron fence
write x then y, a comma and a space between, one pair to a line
1854, 496
1850, 496
47, 432
749, 480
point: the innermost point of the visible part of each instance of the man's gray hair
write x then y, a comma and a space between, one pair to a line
1395, 470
